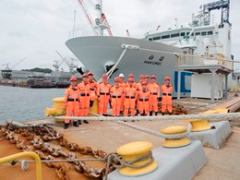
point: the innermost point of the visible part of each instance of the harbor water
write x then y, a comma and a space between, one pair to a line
24, 103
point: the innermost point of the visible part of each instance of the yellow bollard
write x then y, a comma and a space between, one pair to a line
58, 108
94, 108
199, 125
135, 150
175, 136
26, 154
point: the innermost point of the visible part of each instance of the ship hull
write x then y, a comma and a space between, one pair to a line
96, 52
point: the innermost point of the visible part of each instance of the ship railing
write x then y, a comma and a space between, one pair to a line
194, 60
30, 154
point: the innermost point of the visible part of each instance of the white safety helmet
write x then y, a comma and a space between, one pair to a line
121, 75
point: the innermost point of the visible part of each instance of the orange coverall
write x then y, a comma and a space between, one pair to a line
167, 98
153, 98
116, 100
130, 101
84, 98
72, 102
123, 85
103, 92
143, 102
93, 89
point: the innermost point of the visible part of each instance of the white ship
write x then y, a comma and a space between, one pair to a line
158, 52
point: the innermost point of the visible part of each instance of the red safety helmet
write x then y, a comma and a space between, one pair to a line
104, 76
73, 78
116, 79
141, 76
85, 75
167, 78
153, 76
131, 75
90, 73
130, 79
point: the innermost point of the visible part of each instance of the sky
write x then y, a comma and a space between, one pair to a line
35, 29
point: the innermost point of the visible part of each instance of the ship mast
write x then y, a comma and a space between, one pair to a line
101, 20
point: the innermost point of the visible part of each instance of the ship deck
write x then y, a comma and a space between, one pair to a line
222, 163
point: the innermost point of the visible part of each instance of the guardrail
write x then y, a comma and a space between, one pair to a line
187, 59
25, 154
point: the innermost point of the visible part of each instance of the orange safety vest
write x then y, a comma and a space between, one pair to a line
72, 102
167, 98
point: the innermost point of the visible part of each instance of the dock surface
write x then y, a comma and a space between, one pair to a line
222, 164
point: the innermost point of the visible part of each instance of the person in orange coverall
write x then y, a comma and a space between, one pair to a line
143, 99
116, 97
154, 89
84, 97
123, 86
167, 90
103, 92
130, 98
93, 88
72, 102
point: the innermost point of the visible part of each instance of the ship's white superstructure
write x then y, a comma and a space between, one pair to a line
158, 52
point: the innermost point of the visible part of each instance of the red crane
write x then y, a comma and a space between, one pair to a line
103, 20
89, 18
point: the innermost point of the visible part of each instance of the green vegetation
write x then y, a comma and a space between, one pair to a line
37, 69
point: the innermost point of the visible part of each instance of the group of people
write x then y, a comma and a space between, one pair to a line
128, 98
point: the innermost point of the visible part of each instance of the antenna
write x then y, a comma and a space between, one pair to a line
128, 34
74, 23
176, 22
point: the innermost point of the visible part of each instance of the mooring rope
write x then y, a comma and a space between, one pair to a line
210, 117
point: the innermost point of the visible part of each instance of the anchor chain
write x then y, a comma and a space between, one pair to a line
38, 139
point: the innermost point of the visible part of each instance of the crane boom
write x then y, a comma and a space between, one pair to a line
19, 62
88, 16
104, 19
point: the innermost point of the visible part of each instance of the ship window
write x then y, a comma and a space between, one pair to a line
210, 33
165, 36
197, 33
182, 34
150, 39
175, 35
188, 33
203, 33
156, 38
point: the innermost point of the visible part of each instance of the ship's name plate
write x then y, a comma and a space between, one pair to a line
154, 60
